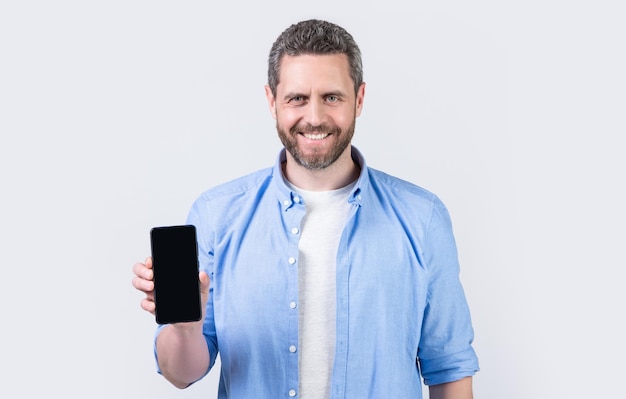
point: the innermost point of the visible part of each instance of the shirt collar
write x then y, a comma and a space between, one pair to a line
289, 198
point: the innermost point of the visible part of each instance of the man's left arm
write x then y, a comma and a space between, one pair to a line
461, 389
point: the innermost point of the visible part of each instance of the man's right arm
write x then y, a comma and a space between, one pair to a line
182, 352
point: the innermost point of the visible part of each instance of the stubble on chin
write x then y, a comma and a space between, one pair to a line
318, 160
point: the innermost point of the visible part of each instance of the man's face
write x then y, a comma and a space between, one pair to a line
315, 108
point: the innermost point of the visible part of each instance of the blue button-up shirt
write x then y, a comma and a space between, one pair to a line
401, 310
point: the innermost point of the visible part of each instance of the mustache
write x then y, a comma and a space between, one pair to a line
308, 128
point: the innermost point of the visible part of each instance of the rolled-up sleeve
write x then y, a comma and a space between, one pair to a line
445, 350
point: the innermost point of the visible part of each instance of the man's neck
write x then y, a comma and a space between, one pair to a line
339, 174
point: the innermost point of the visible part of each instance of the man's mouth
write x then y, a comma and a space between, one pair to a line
315, 136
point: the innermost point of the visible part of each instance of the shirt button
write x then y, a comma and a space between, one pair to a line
292, 260
292, 349
286, 202
292, 393
292, 305
294, 230
296, 199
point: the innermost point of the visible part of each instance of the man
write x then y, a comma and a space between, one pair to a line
328, 279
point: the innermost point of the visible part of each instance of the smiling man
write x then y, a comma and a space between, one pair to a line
321, 277
315, 106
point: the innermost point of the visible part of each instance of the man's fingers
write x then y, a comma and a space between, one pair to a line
143, 281
143, 271
148, 305
143, 284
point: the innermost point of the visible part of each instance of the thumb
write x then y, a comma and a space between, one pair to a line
204, 282
204, 288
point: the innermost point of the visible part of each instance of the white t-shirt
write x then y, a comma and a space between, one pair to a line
326, 215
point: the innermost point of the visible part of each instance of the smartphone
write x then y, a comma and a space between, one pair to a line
175, 267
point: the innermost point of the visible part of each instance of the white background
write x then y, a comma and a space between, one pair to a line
116, 115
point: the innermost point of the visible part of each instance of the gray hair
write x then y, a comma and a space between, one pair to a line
314, 37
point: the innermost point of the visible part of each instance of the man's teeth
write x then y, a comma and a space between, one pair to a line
318, 136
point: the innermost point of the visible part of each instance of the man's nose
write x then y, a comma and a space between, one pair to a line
315, 114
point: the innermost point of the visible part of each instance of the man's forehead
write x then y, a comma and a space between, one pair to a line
327, 67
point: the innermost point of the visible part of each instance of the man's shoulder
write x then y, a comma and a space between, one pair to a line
407, 199
398, 187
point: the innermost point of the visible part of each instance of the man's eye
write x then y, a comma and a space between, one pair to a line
297, 99
332, 99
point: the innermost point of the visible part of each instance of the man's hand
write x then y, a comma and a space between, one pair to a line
144, 282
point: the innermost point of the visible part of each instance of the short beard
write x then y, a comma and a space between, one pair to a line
320, 160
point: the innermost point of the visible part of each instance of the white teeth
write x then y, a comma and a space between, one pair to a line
318, 136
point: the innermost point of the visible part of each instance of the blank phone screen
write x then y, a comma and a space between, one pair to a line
175, 266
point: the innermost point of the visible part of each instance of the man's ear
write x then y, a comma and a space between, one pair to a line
360, 94
271, 101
